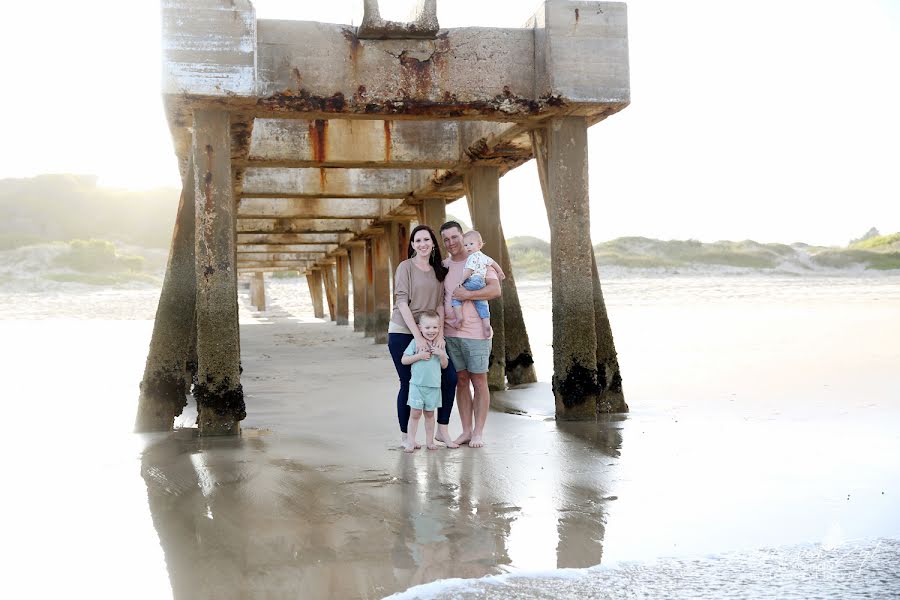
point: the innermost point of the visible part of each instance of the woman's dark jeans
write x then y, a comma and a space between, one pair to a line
397, 343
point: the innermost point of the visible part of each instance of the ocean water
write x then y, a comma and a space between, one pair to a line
761, 456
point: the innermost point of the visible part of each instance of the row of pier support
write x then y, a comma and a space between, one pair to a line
196, 343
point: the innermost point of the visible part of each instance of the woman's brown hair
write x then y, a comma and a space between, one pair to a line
435, 259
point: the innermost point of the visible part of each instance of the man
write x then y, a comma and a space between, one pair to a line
468, 346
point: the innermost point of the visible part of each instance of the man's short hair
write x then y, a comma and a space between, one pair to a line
451, 225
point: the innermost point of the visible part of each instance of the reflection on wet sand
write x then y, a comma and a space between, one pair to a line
237, 517
346, 515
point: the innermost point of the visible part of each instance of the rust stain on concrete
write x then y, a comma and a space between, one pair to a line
388, 140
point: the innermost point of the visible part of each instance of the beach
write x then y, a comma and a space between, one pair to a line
761, 454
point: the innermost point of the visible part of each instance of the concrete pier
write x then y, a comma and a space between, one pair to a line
482, 185
358, 270
218, 391
342, 287
383, 301
314, 139
519, 359
258, 291
167, 374
314, 281
371, 323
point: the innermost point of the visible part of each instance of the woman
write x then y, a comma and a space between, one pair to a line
418, 286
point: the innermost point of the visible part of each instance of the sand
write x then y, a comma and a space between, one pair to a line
726, 449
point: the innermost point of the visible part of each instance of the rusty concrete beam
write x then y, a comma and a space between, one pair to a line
288, 225
245, 248
358, 143
293, 238
335, 183
277, 256
315, 208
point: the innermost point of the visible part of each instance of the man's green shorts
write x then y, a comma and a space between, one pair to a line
468, 354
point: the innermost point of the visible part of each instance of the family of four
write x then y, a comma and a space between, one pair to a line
439, 335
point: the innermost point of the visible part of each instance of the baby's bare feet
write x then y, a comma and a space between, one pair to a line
409, 447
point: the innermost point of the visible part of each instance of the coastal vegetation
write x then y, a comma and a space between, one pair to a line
66, 228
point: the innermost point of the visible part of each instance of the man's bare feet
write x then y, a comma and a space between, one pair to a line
446, 441
463, 439
476, 442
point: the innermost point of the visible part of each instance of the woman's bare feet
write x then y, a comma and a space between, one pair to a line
476, 442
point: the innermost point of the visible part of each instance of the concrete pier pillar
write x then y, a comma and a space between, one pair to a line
433, 212
167, 374
371, 325
342, 284
398, 243
482, 185
358, 271
220, 397
519, 359
258, 291
314, 281
330, 290
382, 276
586, 379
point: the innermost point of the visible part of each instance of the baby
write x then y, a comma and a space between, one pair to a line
425, 384
473, 278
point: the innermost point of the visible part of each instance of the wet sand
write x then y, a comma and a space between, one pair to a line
315, 500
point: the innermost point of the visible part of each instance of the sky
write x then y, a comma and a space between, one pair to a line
775, 120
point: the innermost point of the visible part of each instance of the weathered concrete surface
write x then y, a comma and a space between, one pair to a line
168, 371
357, 143
561, 151
281, 225
303, 248
330, 290
398, 243
519, 358
581, 52
258, 291
483, 195
329, 240
342, 284
335, 183
371, 322
433, 212
382, 275
423, 24
315, 208
314, 281
218, 390
358, 270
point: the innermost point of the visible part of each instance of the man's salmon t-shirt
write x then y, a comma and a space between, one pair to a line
471, 327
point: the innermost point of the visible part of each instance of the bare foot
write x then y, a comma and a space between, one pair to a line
432, 446
446, 441
462, 439
409, 447
404, 440
476, 442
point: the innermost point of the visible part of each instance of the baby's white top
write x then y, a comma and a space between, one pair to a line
479, 262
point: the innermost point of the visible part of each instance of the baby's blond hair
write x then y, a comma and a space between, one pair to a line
473, 234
